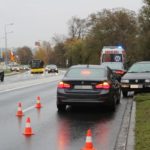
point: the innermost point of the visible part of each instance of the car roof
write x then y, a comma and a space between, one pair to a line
143, 62
87, 66
51, 65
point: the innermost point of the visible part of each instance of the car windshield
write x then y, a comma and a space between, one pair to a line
86, 73
51, 66
37, 64
140, 67
114, 66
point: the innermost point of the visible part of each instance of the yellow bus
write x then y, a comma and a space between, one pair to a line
37, 66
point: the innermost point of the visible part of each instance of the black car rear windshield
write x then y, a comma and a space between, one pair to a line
51, 66
140, 67
86, 73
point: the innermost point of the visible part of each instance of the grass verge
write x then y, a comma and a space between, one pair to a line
142, 128
7, 71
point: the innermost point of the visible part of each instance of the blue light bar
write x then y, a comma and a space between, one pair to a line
120, 47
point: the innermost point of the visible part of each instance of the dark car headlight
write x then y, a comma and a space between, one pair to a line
147, 81
124, 81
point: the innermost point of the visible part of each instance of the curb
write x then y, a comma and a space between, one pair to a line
131, 134
10, 74
125, 140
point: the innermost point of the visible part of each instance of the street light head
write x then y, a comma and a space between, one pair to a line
9, 24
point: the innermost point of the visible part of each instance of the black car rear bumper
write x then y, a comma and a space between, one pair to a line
84, 98
52, 71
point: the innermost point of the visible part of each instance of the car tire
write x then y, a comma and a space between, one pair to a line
118, 97
61, 108
125, 93
112, 106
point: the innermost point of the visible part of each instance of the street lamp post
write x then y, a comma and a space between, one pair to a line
5, 29
1, 47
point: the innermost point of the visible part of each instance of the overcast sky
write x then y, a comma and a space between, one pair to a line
41, 19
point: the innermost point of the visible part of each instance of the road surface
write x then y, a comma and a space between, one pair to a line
52, 130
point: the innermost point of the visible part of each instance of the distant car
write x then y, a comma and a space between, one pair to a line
51, 69
15, 68
137, 78
26, 67
87, 85
117, 68
1, 75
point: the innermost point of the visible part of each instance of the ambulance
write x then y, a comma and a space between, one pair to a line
113, 54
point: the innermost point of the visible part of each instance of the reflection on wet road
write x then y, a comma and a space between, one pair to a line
104, 125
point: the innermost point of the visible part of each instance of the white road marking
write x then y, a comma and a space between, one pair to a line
25, 86
29, 108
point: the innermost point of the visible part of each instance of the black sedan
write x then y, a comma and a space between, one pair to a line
137, 78
51, 68
86, 85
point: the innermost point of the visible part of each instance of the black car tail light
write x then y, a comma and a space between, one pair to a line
119, 72
63, 85
104, 85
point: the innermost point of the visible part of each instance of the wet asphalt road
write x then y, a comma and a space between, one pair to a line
52, 130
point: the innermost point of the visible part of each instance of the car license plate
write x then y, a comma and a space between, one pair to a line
136, 86
86, 87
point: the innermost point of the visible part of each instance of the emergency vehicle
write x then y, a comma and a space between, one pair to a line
113, 54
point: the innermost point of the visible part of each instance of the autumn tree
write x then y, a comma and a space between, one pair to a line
74, 51
87, 37
24, 55
44, 52
59, 54
144, 32
110, 28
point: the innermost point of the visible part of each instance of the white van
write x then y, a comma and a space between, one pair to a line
113, 54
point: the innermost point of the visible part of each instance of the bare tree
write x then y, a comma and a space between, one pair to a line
77, 28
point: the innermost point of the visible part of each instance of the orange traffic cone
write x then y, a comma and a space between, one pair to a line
28, 129
19, 112
38, 103
88, 144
